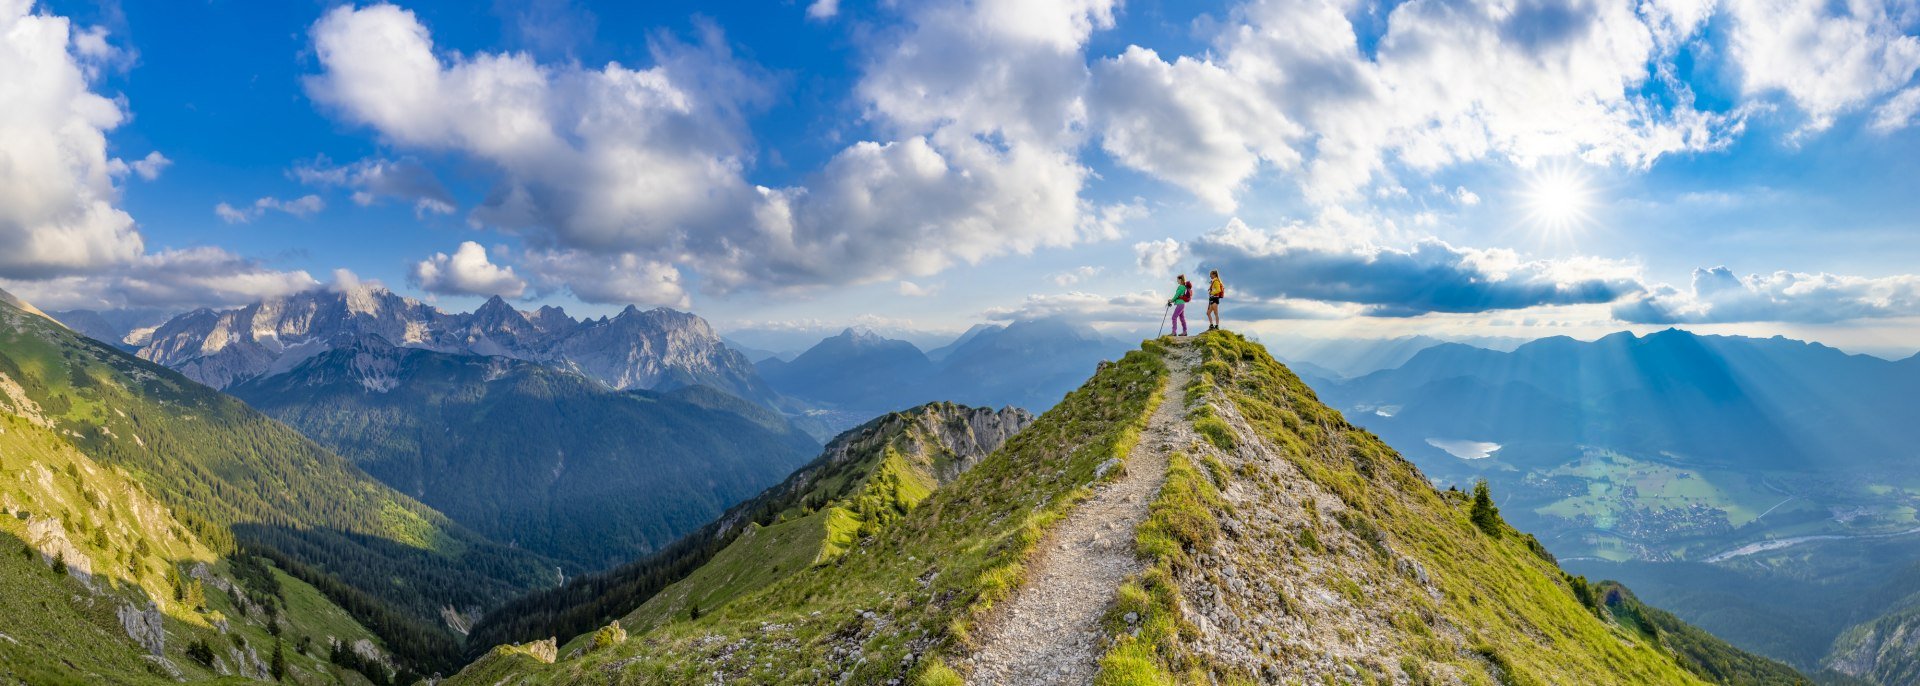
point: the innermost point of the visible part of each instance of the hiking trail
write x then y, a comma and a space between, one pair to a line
1048, 633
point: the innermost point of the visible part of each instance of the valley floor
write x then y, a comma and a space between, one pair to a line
1049, 632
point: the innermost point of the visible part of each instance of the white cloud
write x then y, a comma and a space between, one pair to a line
1160, 257
985, 101
823, 9
467, 271
57, 192
914, 290
618, 279
303, 206
147, 168
1465, 197
1286, 84
1075, 275
67, 244
1720, 296
373, 179
1827, 57
193, 277
1898, 112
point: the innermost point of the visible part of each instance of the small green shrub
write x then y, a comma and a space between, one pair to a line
1486, 515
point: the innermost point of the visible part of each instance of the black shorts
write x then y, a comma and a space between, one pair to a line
1213, 300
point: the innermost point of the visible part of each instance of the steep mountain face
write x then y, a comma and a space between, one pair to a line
858, 485
529, 455
655, 349
242, 482
105, 585
1281, 544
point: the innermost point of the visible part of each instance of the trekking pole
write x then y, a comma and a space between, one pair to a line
1163, 321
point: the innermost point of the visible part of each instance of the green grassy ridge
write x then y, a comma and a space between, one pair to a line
1699, 652
906, 598
233, 476
835, 496
533, 456
1505, 595
62, 631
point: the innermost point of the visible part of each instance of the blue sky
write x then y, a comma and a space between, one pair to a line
1452, 167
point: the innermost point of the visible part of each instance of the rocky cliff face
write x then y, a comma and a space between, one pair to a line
652, 349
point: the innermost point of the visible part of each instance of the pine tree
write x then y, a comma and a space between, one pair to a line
278, 668
1485, 514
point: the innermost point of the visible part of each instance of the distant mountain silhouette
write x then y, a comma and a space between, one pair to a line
1024, 364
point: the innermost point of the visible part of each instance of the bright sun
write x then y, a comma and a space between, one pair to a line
1558, 199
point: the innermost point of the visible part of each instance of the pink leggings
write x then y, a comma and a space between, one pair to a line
1180, 318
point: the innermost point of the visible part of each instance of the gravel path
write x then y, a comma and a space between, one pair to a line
1049, 632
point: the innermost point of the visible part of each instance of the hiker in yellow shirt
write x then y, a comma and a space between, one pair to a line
1215, 291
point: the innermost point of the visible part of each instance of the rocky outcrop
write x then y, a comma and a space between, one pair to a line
657, 349
146, 627
48, 536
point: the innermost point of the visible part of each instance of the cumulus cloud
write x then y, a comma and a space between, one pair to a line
1429, 276
1898, 112
172, 279
57, 192
1717, 295
468, 271
617, 279
823, 9
303, 206
374, 179
67, 243
982, 102
147, 168
1075, 275
1159, 257
914, 290
1286, 84
1827, 57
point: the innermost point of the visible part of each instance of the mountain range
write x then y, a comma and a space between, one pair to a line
1026, 364
531, 455
657, 349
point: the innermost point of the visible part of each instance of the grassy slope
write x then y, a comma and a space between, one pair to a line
60, 630
865, 479
233, 476
900, 600
1505, 614
895, 484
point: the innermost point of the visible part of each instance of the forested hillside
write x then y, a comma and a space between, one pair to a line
103, 585
239, 481
532, 456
